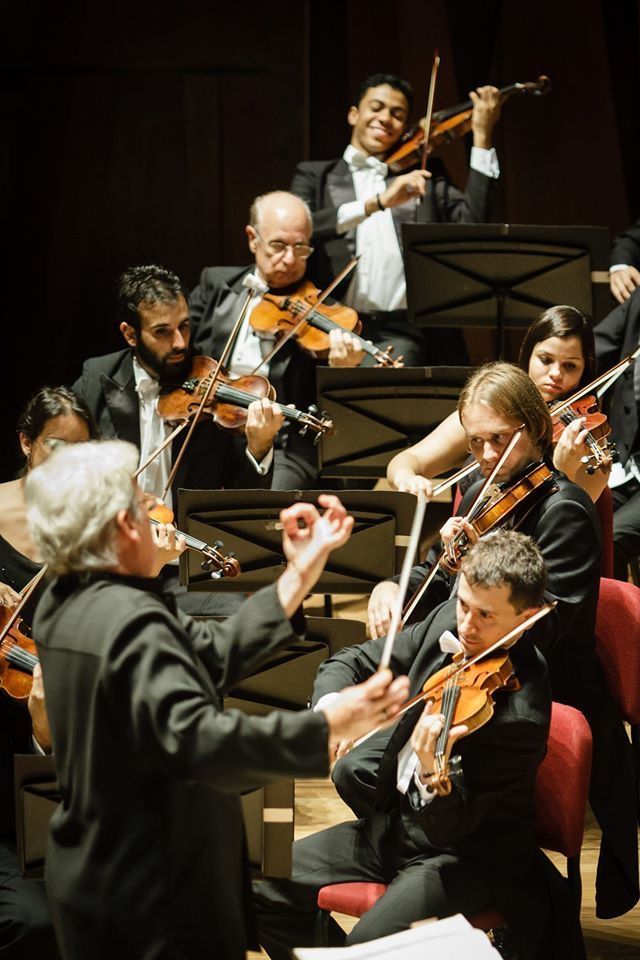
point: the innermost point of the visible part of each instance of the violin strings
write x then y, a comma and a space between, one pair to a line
15, 655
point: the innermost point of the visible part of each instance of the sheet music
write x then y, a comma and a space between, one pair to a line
446, 939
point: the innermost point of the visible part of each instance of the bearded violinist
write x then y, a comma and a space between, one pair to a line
279, 238
441, 854
561, 518
121, 390
359, 208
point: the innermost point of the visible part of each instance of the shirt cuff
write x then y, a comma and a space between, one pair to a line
618, 266
485, 161
350, 215
325, 700
265, 464
426, 795
37, 749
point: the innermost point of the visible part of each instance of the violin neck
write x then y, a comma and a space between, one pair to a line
320, 322
448, 112
18, 658
240, 398
192, 542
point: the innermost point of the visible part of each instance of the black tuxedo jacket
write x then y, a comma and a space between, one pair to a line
146, 853
618, 335
626, 247
327, 184
215, 458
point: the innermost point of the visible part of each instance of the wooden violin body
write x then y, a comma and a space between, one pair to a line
230, 399
449, 124
278, 314
496, 509
596, 424
18, 656
463, 694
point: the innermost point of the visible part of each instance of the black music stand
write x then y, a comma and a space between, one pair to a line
379, 412
500, 275
241, 520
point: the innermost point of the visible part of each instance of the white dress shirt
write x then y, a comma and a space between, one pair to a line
378, 282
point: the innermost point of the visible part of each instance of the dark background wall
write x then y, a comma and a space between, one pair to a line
139, 132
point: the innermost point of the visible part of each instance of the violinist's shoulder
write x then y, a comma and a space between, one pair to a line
213, 277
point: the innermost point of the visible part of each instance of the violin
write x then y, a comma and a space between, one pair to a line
463, 693
216, 563
230, 399
449, 124
277, 314
496, 507
597, 425
18, 656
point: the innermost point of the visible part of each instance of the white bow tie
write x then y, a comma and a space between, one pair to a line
449, 643
359, 161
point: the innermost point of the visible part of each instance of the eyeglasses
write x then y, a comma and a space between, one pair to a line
277, 248
52, 443
148, 501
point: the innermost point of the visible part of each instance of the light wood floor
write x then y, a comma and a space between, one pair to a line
318, 806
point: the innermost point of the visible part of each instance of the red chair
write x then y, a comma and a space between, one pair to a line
618, 644
560, 802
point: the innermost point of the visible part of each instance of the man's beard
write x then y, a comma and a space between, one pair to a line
169, 374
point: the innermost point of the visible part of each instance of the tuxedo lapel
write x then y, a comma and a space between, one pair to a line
340, 185
121, 401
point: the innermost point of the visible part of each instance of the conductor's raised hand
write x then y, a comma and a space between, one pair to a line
308, 538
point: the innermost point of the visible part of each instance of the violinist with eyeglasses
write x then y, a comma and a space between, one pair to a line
359, 205
500, 404
279, 239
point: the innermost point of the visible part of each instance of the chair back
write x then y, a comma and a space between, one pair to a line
618, 644
562, 783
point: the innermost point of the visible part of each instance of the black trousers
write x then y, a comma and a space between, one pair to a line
377, 849
26, 932
626, 526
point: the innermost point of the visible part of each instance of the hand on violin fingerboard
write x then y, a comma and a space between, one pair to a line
264, 419
623, 282
424, 739
169, 545
344, 350
486, 112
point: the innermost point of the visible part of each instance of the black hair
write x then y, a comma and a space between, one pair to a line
561, 321
148, 284
393, 81
51, 402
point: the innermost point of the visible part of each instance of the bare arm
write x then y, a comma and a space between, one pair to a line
443, 449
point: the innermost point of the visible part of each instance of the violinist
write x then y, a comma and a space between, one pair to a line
52, 418
558, 353
442, 854
279, 239
121, 390
146, 854
497, 400
359, 209
618, 335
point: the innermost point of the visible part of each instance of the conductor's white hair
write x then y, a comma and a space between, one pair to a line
73, 499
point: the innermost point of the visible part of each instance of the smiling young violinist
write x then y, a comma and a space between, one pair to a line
358, 208
442, 854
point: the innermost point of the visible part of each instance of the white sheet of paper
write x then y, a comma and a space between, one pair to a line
447, 939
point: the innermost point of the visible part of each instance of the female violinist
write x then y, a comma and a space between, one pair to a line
558, 354
53, 417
